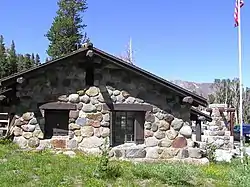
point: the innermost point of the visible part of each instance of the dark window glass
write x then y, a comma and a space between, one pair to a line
127, 127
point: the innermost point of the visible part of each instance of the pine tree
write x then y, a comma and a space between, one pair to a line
12, 59
28, 61
3, 58
20, 64
66, 32
37, 60
32, 59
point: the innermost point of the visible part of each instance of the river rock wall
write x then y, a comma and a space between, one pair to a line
217, 132
167, 127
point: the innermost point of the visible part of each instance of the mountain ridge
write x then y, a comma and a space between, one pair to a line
202, 89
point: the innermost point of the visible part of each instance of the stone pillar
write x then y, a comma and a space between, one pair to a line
217, 131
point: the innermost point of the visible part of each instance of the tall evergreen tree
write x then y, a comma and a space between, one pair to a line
32, 59
28, 61
66, 32
12, 59
37, 60
3, 57
20, 64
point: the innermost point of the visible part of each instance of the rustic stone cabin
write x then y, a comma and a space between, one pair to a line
79, 100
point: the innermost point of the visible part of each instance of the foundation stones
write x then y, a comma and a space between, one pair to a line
17, 131
179, 142
33, 142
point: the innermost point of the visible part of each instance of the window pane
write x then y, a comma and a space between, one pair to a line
124, 127
130, 127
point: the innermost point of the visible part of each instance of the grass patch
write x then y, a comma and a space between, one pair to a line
23, 168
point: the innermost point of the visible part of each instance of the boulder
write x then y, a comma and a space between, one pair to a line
177, 124
74, 98
186, 131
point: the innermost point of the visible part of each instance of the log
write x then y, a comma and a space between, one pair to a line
20, 80
188, 99
90, 53
222, 109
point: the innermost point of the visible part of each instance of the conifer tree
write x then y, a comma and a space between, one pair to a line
66, 32
32, 59
3, 58
37, 60
20, 64
27, 61
12, 59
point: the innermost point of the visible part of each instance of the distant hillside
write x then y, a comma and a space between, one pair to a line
203, 89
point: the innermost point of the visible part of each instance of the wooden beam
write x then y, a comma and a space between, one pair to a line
197, 115
90, 53
127, 107
2, 97
20, 80
188, 100
222, 109
58, 106
5, 91
198, 130
231, 123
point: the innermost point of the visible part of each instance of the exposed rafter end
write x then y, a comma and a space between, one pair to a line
20, 80
188, 100
90, 53
2, 97
201, 118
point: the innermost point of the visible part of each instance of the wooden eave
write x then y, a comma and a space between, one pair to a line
127, 107
58, 106
194, 115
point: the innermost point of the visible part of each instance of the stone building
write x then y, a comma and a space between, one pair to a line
89, 96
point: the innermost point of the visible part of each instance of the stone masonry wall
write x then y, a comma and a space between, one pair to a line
167, 127
216, 132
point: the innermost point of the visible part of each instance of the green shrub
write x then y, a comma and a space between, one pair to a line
210, 152
105, 169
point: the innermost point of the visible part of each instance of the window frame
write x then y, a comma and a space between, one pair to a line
55, 108
57, 127
135, 107
138, 127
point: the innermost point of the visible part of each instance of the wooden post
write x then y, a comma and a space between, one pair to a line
232, 123
198, 130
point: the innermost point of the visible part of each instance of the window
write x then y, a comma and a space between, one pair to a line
127, 127
56, 123
89, 76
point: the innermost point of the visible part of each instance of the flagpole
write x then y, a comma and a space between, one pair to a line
240, 79
130, 50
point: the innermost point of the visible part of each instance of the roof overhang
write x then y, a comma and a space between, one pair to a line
196, 115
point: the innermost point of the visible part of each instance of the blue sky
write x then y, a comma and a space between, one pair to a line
189, 40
